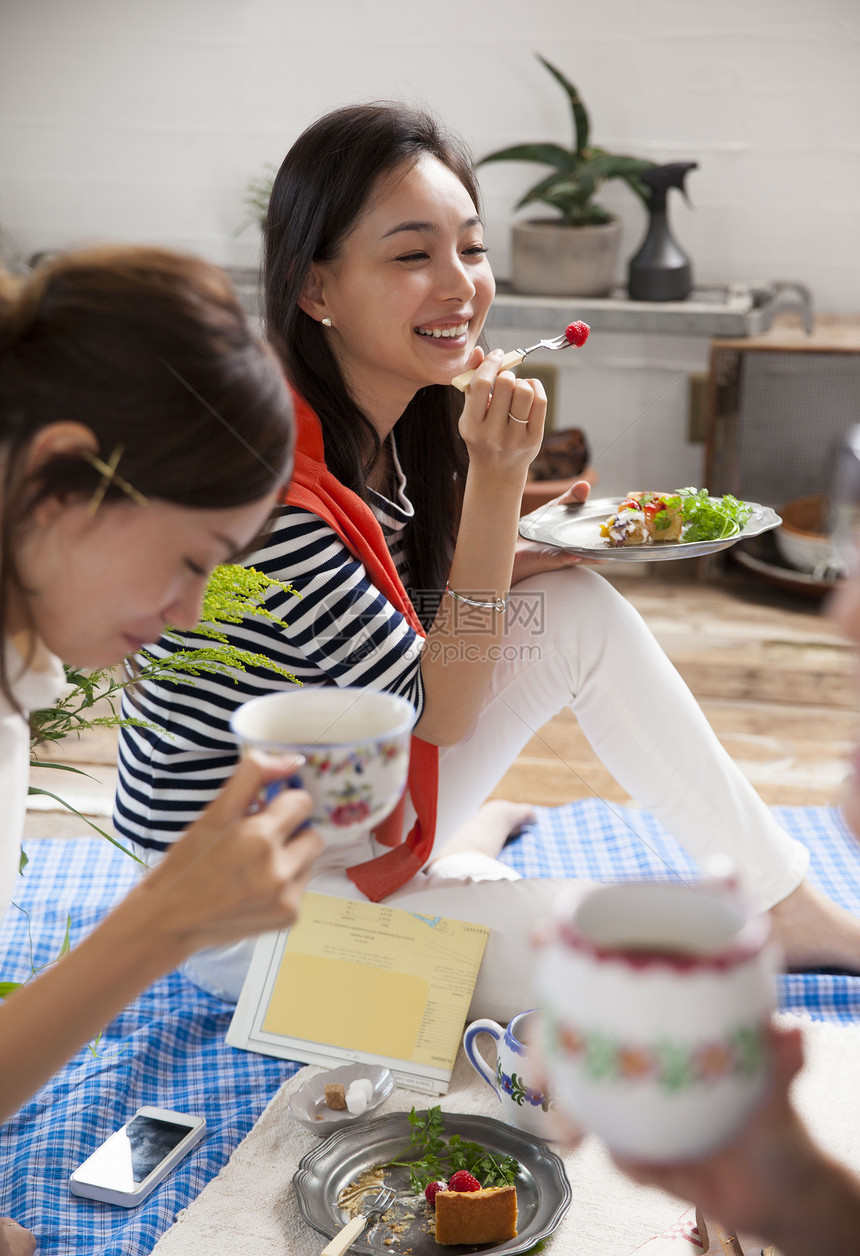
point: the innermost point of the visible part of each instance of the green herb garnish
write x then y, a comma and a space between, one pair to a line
430, 1158
710, 518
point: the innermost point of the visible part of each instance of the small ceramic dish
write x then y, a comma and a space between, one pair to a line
308, 1104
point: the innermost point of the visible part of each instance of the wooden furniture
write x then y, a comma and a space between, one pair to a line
778, 405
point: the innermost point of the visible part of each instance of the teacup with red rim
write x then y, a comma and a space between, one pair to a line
657, 998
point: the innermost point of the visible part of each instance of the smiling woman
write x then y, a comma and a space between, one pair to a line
400, 533
144, 431
427, 276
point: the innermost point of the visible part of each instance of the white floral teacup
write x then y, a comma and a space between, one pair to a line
515, 1076
355, 744
657, 998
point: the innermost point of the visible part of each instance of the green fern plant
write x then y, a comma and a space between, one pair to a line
258, 191
232, 594
578, 173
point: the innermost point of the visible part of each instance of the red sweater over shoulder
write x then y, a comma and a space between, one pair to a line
315, 489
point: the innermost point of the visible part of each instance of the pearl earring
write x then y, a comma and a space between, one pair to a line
326, 322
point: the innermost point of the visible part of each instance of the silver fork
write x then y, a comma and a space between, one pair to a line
372, 1211
514, 358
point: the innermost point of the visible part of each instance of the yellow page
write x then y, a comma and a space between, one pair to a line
376, 979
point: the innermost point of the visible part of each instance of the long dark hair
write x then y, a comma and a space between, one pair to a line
320, 191
153, 353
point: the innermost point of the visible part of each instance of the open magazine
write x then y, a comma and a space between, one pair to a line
362, 982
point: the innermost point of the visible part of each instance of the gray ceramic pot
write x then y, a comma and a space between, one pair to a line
550, 259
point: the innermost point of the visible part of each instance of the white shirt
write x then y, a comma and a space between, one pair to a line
37, 686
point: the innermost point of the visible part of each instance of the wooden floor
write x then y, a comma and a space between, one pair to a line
772, 675
769, 670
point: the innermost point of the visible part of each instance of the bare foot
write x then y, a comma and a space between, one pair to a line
814, 932
489, 829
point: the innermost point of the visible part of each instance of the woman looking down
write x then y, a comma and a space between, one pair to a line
144, 431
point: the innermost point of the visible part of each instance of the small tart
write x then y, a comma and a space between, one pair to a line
485, 1216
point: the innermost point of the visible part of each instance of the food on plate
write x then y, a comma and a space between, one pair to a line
430, 1158
649, 517
352, 1197
432, 1190
644, 517
335, 1096
488, 1215
463, 1180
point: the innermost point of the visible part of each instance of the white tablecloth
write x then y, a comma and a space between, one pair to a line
250, 1208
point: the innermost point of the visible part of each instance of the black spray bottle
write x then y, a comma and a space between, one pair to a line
661, 271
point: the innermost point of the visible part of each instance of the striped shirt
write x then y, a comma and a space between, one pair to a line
339, 631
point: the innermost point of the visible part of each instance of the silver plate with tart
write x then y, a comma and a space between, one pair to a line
543, 1191
576, 528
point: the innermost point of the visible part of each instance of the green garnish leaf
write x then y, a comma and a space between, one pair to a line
435, 1159
710, 518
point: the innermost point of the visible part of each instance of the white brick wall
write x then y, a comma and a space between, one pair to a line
143, 121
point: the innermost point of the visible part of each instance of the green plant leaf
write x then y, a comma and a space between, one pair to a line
258, 191
581, 123
547, 154
9, 987
580, 172
34, 789
233, 593
615, 166
61, 767
540, 189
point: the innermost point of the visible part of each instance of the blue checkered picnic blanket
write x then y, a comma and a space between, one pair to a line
603, 842
168, 1047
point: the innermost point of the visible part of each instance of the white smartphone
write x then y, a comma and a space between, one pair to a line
133, 1161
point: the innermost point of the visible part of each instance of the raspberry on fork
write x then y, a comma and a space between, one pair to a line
577, 333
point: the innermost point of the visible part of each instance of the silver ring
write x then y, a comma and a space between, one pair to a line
524, 422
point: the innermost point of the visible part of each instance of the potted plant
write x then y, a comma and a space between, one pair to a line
258, 192
574, 253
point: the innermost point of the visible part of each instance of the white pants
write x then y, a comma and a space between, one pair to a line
572, 640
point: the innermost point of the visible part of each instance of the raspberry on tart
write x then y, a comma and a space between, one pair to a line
463, 1180
432, 1190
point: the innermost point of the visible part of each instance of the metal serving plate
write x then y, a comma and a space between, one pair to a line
576, 528
543, 1191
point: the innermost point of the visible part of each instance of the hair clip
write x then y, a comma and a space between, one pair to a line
109, 476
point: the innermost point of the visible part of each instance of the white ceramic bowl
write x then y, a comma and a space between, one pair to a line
802, 540
308, 1104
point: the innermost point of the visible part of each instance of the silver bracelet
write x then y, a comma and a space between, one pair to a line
500, 604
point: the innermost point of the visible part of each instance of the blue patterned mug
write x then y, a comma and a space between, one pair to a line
515, 1075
